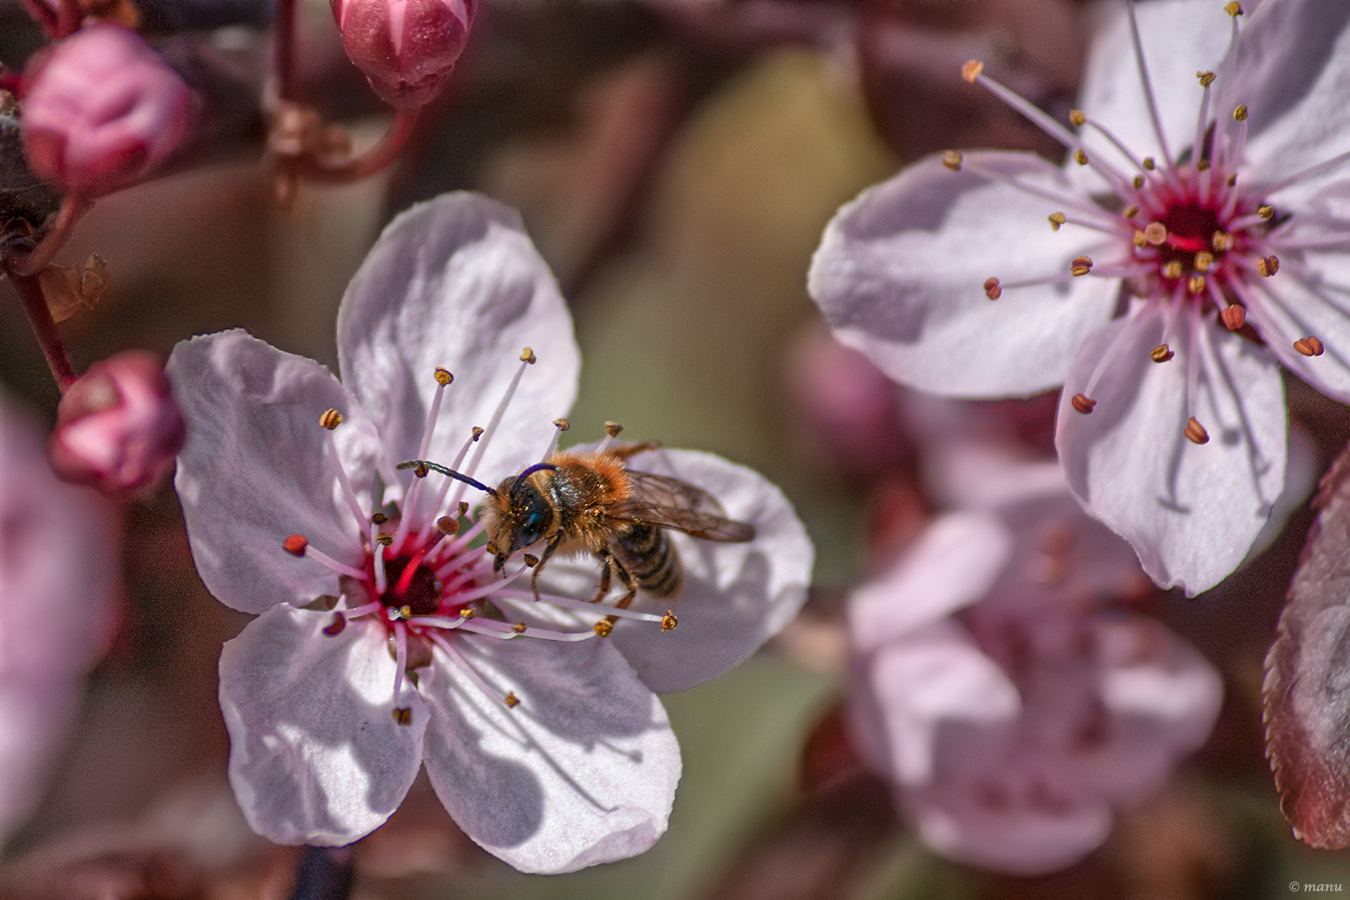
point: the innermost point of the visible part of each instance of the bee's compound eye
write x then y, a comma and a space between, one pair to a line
532, 528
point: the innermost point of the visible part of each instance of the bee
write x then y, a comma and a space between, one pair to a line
580, 501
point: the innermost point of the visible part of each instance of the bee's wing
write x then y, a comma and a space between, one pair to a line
671, 503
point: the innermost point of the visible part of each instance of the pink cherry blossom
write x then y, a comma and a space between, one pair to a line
543, 739
406, 48
117, 427
1014, 711
101, 110
1193, 240
58, 586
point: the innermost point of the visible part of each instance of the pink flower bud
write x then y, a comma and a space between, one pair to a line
101, 110
118, 427
406, 48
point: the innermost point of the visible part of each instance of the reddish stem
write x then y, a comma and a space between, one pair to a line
284, 51
68, 18
382, 155
34, 303
40, 257
42, 14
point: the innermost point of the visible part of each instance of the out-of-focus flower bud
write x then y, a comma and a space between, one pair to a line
101, 110
118, 427
406, 48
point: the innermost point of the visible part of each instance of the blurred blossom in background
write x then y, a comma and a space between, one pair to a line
982, 696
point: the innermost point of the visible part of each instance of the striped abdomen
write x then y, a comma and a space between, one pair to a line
646, 553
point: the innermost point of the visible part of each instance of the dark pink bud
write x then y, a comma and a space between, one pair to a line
406, 48
101, 110
117, 428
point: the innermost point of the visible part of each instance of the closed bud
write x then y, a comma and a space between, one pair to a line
406, 48
101, 111
118, 428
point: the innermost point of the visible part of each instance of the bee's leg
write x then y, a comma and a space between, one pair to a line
606, 566
553, 544
627, 581
628, 450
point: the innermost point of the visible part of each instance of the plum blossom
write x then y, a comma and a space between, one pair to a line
1195, 238
1012, 705
58, 588
534, 717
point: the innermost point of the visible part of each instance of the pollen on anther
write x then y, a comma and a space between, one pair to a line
1057, 219
1267, 266
527, 356
971, 70
992, 290
1172, 269
443, 376
519, 627
476, 434
330, 419
1221, 241
403, 715
421, 470
1139, 239
1196, 284
952, 160
603, 628
384, 539
1082, 403
335, 626
1077, 118
1234, 317
1309, 346
1080, 157
1138, 182
1206, 78
1203, 261
468, 612
1081, 266
511, 700
613, 428
669, 621
1155, 233
1195, 432
1130, 212
463, 508
1232, 179
1149, 164
295, 545
1266, 212
379, 518
531, 560
1233, 8
1202, 165
1161, 353
1240, 113
447, 526
562, 424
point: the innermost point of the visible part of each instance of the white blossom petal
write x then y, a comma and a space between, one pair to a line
582, 771
316, 756
1190, 511
456, 283
893, 276
1310, 295
258, 467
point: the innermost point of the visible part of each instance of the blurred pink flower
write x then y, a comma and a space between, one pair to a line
1173, 218
101, 111
1013, 712
58, 586
406, 48
546, 744
117, 427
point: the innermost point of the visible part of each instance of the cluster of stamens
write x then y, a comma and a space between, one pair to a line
1184, 237
427, 577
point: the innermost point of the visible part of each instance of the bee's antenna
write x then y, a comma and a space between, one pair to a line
423, 465
521, 478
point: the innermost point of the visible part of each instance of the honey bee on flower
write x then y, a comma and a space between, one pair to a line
1193, 240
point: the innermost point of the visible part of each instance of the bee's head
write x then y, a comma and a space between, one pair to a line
519, 515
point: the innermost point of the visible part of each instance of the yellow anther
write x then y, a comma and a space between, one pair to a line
1221, 241
1266, 212
330, 419
1155, 233
668, 621
477, 433
443, 376
447, 526
1233, 8
421, 470
1206, 78
1149, 164
403, 715
1081, 266
613, 428
468, 612
511, 700
1196, 284
1139, 239
562, 424
1077, 118
1172, 269
1080, 157
1057, 219
405, 611
952, 160
992, 290
519, 627
1272, 265
1203, 261
1240, 113
603, 628
1232, 179
1202, 165
1195, 432
379, 518
1161, 353
971, 70
531, 560
384, 539
527, 356
1130, 212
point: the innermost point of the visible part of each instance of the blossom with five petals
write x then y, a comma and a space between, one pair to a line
1011, 709
1185, 256
544, 740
